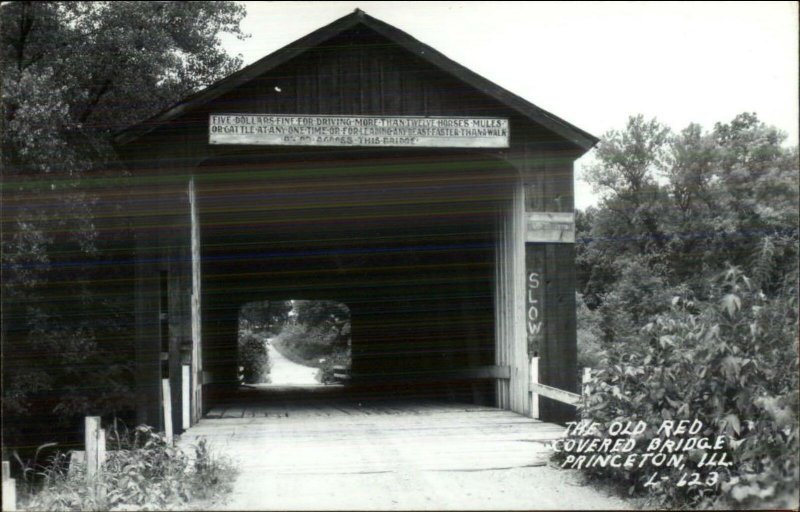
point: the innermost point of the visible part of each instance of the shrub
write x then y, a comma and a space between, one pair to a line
253, 358
327, 365
143, 473
590, 350
732, 363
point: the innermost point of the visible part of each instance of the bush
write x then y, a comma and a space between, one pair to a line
590, 350
327, 365
143, 473
731, 362
253, 358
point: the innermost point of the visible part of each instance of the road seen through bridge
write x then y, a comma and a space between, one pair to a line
284, 372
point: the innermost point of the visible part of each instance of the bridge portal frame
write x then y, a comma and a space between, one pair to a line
357, 65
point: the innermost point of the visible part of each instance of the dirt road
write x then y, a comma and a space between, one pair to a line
393, 457
284, 372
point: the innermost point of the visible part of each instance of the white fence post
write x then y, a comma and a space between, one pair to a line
534, 394
186, 393
9, 488
585, 380
166, 396
91, 438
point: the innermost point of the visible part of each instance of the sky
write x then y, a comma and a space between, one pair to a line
591, 63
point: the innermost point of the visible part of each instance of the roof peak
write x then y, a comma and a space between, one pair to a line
402, 39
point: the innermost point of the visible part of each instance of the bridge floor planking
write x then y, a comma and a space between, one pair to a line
390, 455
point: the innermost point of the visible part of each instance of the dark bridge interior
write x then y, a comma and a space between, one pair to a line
405, 240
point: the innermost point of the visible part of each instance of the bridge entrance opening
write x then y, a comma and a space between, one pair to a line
401, 247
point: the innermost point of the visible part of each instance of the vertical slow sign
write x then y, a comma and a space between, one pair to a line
534, 298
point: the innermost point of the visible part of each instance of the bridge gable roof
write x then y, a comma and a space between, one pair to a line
518, 105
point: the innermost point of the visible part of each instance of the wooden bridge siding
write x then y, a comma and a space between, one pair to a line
334, 74
549, 188
148, 201
159, 209
345, 78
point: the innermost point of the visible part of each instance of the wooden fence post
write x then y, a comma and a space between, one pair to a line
186, 392
166, 400
101, 448
585, 380
534, 395
9, 488
91, 438
95, 455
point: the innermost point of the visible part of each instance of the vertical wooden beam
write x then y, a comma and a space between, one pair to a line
512, 348
501, 317
535, 380
197, 344
517, 335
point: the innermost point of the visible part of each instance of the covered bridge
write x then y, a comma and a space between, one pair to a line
360, 165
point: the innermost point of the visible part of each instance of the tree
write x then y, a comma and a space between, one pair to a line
72, 74
678, 208
689, 265
324, 316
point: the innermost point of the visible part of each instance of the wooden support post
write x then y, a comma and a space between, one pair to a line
585, 380
101, 448
534, 380
91, 438
166, 400
9, 488
100, 490
186, 394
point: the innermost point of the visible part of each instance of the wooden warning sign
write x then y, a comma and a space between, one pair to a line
297, 130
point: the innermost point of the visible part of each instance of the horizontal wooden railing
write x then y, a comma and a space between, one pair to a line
538, 389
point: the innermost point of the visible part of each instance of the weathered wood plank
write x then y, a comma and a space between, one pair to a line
451, 437
560, 395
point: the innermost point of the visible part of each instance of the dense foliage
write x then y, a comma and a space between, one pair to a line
72, 73
258, 321
317, 334
254, 362
313, 333
142, 472
689, 266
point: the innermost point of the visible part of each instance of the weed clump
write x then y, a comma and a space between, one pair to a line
142, 471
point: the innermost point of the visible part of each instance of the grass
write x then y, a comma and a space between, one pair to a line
142, 471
